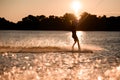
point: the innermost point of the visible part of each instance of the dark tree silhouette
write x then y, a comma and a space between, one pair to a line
93, 23
6, 25
67, 18
87, 22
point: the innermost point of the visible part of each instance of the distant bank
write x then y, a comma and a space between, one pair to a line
87, 22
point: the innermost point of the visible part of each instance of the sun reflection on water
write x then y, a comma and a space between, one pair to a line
56, 66
80, 35
99, 65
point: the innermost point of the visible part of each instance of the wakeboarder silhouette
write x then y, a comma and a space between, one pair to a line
74, 36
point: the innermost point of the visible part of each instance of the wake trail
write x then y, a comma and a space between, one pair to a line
46, 49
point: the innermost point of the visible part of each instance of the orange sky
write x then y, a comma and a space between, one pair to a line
15, 10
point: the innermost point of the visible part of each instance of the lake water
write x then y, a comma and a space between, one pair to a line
102, 64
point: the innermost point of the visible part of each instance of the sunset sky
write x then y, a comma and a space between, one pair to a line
15, 10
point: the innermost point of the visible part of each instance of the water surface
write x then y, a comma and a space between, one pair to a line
102, 64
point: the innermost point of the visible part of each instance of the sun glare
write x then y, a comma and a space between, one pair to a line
76, 6
80, 35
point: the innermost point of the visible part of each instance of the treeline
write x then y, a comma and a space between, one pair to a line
100, 23
87, 22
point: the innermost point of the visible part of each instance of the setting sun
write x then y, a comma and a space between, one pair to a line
76, 6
